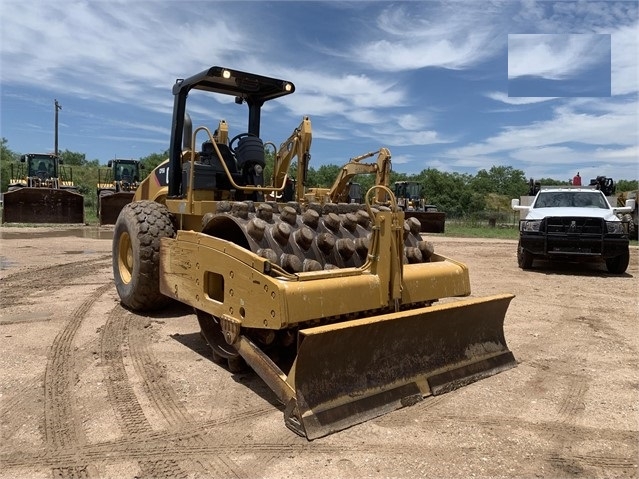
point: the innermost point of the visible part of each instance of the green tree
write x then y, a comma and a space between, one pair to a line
502, 180
8, 159
553, 182
325, 176
151, 161
627, 185
73, 158
451, 192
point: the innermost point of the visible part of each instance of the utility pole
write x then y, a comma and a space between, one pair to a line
57, 107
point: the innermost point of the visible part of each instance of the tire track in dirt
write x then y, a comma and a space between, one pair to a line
160, 445
163, 396
14, 408
61, 422
128, 410
152, 374
17, 287
565, 432
571, 405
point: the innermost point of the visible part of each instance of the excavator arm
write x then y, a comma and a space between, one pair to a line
382, 168
297, 145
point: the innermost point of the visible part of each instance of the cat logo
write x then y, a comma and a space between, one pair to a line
573, 227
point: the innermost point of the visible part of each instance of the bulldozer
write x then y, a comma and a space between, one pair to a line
42, 191
410, 199
338, 313
116, 186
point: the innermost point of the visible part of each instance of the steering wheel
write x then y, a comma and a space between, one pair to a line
238, 137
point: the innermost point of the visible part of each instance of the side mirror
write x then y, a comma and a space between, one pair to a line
629, 208
110, 163
23, 158
514, 204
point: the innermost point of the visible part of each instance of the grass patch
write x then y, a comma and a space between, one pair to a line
463, 229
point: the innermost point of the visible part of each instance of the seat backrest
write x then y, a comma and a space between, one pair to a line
250, 151
228, 157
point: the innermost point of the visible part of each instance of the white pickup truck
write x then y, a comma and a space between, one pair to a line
573, 224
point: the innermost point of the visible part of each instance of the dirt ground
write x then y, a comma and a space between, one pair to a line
90, 390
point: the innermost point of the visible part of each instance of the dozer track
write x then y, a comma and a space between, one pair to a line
334, 311
43, 205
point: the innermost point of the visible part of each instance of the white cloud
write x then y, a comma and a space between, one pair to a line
630, 153
616, 126
555, 56
624, 59
428, 34
504, 98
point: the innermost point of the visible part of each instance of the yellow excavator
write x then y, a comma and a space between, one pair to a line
338, 313
339, 192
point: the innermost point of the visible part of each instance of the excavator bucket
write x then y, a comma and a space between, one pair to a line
111, 205
350, 372
43, 205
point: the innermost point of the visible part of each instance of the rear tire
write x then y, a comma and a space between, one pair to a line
524, 257
136, 254
618, 264
632, 227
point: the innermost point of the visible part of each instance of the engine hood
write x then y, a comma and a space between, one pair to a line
541, 213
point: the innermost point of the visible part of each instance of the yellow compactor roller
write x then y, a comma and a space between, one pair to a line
332, 305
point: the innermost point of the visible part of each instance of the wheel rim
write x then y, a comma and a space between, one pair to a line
125, 258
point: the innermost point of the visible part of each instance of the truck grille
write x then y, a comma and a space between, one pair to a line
573, 225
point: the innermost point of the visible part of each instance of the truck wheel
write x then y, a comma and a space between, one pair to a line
524, 258
632, 227
618, 264
136, 254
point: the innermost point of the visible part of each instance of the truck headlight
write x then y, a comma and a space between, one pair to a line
531, 225
615, 227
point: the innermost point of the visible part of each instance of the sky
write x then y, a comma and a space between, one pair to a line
550, 88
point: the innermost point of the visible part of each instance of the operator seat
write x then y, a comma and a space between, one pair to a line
209, 156
250, 159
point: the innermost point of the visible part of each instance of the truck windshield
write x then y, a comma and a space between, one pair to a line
578, 199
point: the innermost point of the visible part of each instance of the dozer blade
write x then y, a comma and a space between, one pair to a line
432, 221
43, 205
350, 372
111, 205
